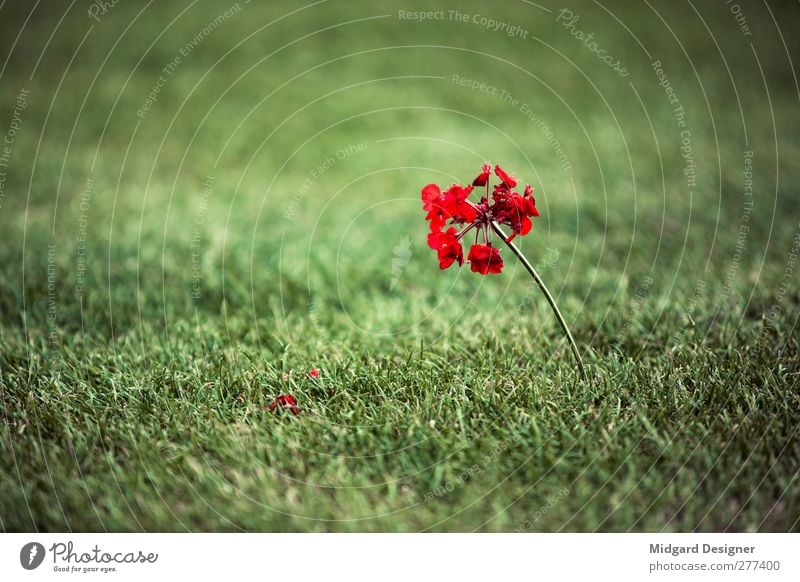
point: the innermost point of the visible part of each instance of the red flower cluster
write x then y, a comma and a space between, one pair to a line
285, 402
506, 207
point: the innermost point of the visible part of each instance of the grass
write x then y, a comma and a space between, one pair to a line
133, 391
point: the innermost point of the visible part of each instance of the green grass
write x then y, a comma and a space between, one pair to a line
447, 401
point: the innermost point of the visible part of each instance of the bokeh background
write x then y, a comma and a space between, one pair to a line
203, 201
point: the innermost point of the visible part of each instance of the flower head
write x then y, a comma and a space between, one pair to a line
285, 402
485, 259
449, 205
447, 246
454, 207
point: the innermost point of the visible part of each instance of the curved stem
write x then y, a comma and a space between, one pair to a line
545, 291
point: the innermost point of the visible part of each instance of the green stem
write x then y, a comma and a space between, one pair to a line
546, 293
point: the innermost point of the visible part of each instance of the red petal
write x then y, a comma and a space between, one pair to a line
525, 226
483, 177
507, 179
430, 193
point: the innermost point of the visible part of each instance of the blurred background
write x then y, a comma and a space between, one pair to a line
198, 197
268, 96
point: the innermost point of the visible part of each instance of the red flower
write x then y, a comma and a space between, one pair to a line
284, 402
531, 201
485, 259
430, 197
314, 373
483, 177
450, 205
447, 246
515, 211
453, 207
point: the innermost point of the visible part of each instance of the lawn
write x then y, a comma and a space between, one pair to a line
202, 202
